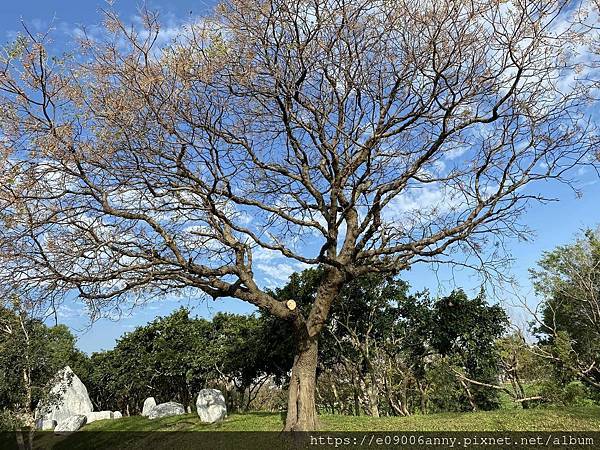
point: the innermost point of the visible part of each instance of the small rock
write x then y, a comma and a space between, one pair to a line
98, 415
149, 403
166, 410
46, 424
117, 415
211, 405
70, 424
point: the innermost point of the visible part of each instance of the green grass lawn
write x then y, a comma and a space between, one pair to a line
538, 419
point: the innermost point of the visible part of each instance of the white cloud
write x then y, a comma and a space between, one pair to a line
278, 272
264, 254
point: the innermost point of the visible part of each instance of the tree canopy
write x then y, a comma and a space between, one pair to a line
31, 354
568, 281
386, 343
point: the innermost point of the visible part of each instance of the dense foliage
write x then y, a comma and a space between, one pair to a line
173, 357
31, 353
387, 351
568, 323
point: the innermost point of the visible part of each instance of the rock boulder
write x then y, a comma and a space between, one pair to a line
211, 405
98, 415
46, 425
166, 410
70, 424
149, 403
68, 397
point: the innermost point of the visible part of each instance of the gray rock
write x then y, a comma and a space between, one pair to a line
117, 415
211, 406
70, 424
166, 410
46, 425
68, 397
149, 403
98, 415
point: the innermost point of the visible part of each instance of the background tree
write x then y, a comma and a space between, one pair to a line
159, 359
173, 357
363, 320
31, 354
238, 355
382, 342
568, 317
104, 381
522, 368
134, 170
466, 331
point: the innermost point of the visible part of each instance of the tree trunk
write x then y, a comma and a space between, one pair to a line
423, 397
521, 390
404, 396
336, 398
356, 395
372, 395
302, 411
301, 414
26, 434
20, 440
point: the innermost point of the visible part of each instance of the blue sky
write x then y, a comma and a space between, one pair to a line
554, 224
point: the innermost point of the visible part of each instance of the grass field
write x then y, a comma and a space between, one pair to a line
538, 419
173, 432
132, 432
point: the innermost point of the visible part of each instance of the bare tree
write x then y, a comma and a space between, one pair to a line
366, 136
585, 20
514, 353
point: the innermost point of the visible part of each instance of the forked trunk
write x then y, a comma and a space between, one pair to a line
301, 414
25, 438
372, 390
302, 411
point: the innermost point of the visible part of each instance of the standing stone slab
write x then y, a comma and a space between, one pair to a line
117, 415
166, 410
70, 424
211, 405
98, 415
149, 403
68, 397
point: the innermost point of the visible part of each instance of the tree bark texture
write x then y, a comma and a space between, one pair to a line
301, 414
